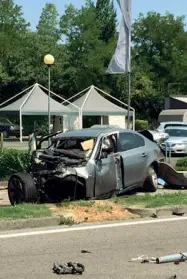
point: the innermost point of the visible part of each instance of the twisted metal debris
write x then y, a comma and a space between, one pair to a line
68, 268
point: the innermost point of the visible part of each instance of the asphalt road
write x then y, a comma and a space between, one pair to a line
29, 257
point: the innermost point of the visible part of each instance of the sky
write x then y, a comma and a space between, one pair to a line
32, 9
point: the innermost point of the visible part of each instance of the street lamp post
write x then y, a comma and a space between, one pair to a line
49, 61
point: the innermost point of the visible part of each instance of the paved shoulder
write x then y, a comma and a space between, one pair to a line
32, 256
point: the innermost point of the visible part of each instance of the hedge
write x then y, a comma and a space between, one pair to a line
182, 162
141, 124
13, 160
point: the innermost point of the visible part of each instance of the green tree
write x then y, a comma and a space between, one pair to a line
145, 99
107, 17
49, 22
160, 46
13, 28
11, 17
85, 52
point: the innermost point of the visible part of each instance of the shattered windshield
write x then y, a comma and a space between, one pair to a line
176, 132
82, 145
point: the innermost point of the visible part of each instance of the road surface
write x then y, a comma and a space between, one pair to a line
32, 256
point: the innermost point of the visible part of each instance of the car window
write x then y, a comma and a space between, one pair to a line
176, 132
130, 141
174, 125
139, 141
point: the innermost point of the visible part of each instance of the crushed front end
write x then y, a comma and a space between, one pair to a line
56, 174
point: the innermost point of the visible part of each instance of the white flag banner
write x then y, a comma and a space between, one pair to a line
120, 62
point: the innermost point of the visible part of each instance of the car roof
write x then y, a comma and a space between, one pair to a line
176, 128
173, 122
87, 132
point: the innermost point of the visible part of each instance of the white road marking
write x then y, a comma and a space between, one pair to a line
92, 227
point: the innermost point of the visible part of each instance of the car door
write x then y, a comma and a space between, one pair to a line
134, 157
108, 173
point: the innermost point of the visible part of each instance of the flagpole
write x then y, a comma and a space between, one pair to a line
129, 100
121, 60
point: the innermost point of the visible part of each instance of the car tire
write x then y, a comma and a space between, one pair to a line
151, 181
22, 189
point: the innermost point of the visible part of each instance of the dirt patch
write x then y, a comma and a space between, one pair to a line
97, 211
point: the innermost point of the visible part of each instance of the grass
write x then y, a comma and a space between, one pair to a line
106, 208
64, 203
24, 211
148, 201
66, 221
82, 203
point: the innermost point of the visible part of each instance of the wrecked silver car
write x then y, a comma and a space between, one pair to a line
89, 164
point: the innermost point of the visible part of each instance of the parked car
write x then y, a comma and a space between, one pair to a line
163, 125
177, 141
159, 136
8, 128
88, 164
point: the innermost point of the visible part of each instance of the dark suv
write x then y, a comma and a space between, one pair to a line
8, 128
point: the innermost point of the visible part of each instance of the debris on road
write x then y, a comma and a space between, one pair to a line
176, 258
85, 251
144, 259
172, 277
68, 268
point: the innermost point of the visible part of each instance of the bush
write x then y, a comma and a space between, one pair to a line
141, 124
182, 163
13, 160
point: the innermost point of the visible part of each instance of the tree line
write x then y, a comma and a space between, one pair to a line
83, 42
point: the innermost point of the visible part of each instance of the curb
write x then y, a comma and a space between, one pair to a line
29, 223
159, 211
6, 225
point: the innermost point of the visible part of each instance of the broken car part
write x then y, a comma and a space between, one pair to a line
181, 257
68, 268
144, 259
85, 251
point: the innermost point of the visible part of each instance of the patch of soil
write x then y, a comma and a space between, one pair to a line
97, 211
